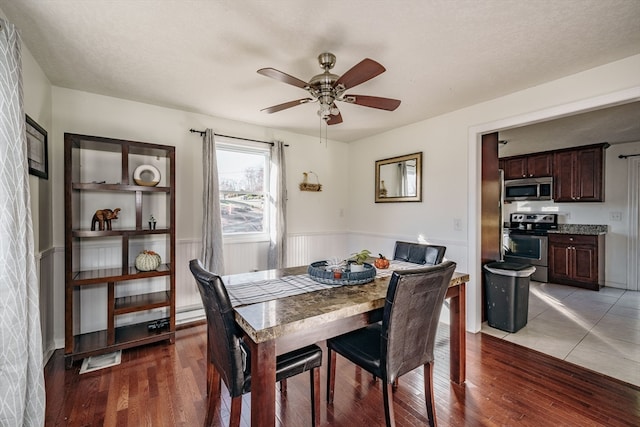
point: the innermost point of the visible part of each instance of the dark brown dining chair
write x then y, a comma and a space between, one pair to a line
405, 338
419, 253
230, 357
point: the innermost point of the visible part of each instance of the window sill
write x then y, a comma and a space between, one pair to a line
245, 238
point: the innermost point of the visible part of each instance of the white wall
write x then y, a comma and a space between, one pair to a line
451, 168
315, 220
451, 164
91, 114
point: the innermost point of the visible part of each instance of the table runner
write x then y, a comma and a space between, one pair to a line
271, 289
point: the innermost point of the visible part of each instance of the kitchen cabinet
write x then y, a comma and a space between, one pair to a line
577, 260
529, 166
109, 303
579, 174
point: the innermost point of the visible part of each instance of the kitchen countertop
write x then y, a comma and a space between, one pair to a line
586, 229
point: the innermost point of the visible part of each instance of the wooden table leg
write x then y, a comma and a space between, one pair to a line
263, 384
458, 327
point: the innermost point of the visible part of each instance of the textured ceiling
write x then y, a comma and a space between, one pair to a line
615, 125
202, 56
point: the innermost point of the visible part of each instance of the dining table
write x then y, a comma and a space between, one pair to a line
284, 309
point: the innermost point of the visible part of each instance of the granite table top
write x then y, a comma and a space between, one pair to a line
585, 229
276, 318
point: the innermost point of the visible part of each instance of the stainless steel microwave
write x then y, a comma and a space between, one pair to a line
528, 189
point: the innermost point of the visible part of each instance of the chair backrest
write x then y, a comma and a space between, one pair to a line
419, 253
410, 320
223, 340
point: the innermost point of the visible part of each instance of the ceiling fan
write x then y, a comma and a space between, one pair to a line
326, 88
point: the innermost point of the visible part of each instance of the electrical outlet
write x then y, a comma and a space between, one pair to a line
615, 216
457, 224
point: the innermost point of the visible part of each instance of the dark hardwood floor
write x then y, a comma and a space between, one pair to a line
164, 385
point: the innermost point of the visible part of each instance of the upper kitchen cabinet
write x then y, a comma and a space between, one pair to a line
529, 166
579, 174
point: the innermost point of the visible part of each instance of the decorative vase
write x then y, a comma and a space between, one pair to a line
148, 261
355, 268
383, 189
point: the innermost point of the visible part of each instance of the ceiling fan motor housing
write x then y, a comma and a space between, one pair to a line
327, 60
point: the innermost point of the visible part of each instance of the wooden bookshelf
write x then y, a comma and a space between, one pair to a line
86, 157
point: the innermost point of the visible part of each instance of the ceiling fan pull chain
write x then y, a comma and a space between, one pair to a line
326, 131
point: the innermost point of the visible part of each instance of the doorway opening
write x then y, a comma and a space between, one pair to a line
474, 301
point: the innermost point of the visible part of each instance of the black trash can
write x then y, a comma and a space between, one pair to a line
507, 294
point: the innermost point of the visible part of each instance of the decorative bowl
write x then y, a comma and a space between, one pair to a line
318, 272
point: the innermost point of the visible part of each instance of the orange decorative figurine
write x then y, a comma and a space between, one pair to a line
103, 217
381, 262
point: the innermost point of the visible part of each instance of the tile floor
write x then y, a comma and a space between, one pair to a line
597, 330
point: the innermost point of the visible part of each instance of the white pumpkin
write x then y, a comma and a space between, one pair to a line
148, 260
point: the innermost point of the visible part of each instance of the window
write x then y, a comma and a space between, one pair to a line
243, 174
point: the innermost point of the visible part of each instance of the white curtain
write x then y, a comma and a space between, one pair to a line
212, 250
402, 179
22, 396
633, 250
278, 218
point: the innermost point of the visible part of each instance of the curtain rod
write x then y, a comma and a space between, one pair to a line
201, 132
624, 156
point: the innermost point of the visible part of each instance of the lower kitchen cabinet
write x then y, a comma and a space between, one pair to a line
577, 260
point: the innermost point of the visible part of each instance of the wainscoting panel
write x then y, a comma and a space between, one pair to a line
187, 294
303, 248
243, 257
51, 301
385, 244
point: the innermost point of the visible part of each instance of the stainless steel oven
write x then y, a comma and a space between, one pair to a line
528, 243
526, 248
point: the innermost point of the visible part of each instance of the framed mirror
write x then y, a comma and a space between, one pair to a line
399, 179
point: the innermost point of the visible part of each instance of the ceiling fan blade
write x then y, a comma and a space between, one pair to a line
388, 104
334, 120
283, 77
360, 73
280, 107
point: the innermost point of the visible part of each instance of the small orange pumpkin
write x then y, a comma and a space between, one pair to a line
381, 262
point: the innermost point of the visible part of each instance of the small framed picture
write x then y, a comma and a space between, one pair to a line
37, 149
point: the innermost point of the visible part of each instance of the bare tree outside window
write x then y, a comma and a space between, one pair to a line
243, 173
